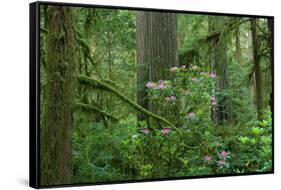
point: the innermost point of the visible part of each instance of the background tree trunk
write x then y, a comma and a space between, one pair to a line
258, 76
218, 61
270, 30
237, 42
156, 51
60, 97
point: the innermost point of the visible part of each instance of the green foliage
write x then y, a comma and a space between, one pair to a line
98, 152
110, 143
197, 147
190, 90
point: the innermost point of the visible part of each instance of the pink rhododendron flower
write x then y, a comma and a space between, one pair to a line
194, 79
213, 100
223, 154
212, 75
207, 158
191, 115
165, 131
221, 162
150, 84
173, 69
146, 131
160, 85
183, 66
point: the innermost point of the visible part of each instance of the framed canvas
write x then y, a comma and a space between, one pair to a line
122, 94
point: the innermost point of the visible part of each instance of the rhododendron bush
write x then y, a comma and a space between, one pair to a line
195, 145
191, 90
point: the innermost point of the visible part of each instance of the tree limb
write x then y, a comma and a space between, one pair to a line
95, 109
104, 86
87, 50
216, 34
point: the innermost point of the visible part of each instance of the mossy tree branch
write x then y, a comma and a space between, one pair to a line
216, 34
87, 51
95, 109
95, 83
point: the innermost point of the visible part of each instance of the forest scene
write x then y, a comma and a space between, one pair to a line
138, 94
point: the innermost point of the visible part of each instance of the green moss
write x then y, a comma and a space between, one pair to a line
104, 86
56, 151
95, 109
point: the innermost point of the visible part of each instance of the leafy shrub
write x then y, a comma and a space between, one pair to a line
196, 146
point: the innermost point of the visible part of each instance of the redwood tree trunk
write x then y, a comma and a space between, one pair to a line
258, 76
238, 44
56, 133
219, 65
270, 42
156, 51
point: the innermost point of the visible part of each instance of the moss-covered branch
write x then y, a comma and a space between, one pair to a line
86, 48
229, 27
95, 109
111, 82
104, 86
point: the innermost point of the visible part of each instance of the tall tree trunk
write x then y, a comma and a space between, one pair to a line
219, 65
258, 76
56, 133
270, 31
237, 42
89, 23
156, 51
270, 43
251, 60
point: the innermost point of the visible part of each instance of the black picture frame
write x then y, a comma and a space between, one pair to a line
34, 92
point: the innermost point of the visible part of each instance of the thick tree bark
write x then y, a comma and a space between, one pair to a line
251, 60
219, 65
270, 30
60, 98
258, 76
156, 51
238, 44
89, 23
